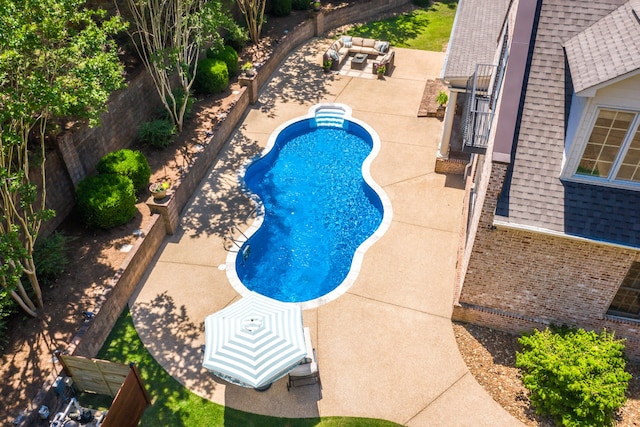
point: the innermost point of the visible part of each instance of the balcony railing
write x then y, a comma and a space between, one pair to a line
478, 113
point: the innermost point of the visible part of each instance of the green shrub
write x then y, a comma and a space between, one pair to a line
576, 377
281, 7
106, 200
129, 163
212, 76
227, 54
236, 37
50, 257
157, 133
300, 4
7, 307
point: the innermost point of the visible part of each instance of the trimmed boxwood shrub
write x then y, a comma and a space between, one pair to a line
106, 200
157, 133
129, 163
212, 76
228, 55
281, 7
577, 377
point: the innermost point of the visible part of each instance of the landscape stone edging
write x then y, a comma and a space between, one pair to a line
94, 332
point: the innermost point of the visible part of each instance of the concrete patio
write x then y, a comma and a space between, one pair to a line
386, 348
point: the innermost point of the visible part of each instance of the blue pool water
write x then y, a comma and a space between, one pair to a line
318, 210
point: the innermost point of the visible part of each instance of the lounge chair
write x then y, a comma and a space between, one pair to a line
306, 373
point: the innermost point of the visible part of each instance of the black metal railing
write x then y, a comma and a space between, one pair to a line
478, 113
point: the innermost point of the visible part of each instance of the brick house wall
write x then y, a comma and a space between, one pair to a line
516, 280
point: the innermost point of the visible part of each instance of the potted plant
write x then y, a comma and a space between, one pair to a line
248, 69
442, 98
326, 64
159, 189
381, 70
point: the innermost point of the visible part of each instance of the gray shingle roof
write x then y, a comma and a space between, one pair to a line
607, 49
534, 195
473, 41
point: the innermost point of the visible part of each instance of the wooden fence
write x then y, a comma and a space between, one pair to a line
112, 379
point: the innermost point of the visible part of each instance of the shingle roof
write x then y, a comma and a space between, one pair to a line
473, 40
607, 49
533, 194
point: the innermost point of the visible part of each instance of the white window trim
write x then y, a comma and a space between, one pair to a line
580, 142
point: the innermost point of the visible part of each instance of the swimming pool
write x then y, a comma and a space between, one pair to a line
319, 209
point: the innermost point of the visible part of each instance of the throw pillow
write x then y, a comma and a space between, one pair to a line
347, 41
381, 46
333, 55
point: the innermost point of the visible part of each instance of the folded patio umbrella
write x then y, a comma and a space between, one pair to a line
254, 341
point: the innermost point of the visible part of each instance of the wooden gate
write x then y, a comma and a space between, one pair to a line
112, 379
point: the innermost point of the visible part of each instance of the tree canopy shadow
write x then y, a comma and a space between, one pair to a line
300, 79
220, 203
174, 341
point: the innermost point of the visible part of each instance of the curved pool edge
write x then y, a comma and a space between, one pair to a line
358, 255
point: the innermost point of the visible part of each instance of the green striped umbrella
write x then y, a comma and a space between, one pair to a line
254, 341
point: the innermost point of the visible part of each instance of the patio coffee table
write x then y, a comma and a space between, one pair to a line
359, 61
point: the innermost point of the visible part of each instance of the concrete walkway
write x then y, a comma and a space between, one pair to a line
386, 348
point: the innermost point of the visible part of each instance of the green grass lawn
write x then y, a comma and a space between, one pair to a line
424, 29
174, 405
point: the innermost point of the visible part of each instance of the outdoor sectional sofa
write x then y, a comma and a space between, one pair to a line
345, 46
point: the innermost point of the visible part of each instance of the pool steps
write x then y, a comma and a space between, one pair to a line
330, 116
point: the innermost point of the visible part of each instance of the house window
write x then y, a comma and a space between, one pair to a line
626, 303
612, 153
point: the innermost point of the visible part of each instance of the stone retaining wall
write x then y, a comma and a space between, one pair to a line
80, 150
92, 335
123, 285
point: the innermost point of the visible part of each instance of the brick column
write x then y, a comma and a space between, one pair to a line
251, 84
167, 208
318, 20
71, 158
